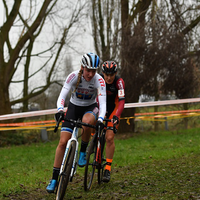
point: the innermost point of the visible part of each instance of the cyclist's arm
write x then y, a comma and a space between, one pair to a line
69, 83
121, 96
102, 107
120, 108
101, 98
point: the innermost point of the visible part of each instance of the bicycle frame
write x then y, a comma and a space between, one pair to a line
95, 157
99, 152
101, 136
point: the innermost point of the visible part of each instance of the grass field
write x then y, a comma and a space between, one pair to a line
162, 165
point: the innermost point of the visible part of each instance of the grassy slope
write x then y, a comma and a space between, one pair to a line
164, 165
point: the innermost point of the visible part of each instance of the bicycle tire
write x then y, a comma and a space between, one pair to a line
65, 175
90, 165
101, 167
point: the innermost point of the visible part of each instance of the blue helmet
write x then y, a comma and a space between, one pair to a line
90, 60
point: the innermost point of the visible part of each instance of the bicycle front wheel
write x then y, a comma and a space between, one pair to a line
103, 160
65, 175
90, 166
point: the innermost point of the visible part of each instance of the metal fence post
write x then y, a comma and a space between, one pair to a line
44, 135
166, 124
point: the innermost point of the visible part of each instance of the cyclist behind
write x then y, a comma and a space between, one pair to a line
115, 104
85, 85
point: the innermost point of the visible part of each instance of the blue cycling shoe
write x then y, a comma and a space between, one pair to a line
82, 159
52, 185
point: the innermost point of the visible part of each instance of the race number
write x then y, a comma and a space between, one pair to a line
121, 93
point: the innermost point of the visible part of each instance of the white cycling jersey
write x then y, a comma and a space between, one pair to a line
85, 94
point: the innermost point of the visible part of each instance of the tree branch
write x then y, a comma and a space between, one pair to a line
193, 24
10, 19
26, 37
140, 7
44, 65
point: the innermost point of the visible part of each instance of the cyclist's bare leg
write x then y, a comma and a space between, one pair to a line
110, 145
90, 119
60, 150
86, 132
110, 148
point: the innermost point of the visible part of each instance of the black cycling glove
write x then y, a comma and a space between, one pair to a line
115, 118
99, 123
59, 115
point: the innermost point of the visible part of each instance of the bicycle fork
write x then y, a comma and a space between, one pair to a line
73, 138
74, 165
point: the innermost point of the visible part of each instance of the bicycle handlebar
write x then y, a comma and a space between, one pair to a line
57, 124
114, 125
79, 123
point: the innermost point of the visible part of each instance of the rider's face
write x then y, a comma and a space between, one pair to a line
109, 78
88, 74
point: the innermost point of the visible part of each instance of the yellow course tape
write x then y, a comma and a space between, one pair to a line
161, 118
27, 127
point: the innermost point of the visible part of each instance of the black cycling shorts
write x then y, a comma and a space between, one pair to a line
77, 112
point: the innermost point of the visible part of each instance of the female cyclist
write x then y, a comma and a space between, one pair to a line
85, 85
115, 104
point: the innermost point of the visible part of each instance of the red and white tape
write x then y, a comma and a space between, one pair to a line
127, 105
161, 103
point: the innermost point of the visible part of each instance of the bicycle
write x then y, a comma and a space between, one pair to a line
70, 159
95, 156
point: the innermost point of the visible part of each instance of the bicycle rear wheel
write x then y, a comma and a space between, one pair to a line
65, 175
90, 166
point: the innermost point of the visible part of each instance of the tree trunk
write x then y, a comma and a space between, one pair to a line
4, 102
126, 34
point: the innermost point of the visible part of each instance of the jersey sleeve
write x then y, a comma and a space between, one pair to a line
70, 81
101, 97
121, 95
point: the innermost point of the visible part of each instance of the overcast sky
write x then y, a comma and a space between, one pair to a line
1, 13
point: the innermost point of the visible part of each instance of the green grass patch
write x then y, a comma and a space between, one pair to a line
161, 165
146, 147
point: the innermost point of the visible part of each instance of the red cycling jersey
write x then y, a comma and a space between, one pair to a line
115, 98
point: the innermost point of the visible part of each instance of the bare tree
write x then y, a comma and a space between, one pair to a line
157, 47
32, 39
158, 55
106, 28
